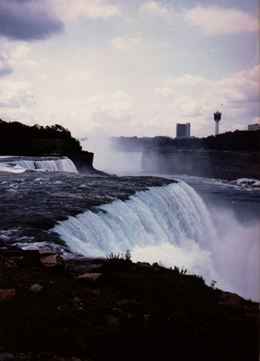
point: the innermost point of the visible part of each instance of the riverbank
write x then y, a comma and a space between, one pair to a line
121, 311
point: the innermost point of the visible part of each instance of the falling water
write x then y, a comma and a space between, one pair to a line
20, 164
170, 224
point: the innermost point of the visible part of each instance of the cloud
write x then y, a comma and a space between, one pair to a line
238, 88
187, 107
126, 43
111, 107
165, 91
16, 94
94, 9
187, 79
215, 20
79, 75
17, 101
29, 20
12, 54
153, 10
5, 66
32, 20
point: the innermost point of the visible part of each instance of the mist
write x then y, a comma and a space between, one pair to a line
237, 251
110, 160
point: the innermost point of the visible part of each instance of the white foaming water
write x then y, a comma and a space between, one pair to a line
170, 224
19, 165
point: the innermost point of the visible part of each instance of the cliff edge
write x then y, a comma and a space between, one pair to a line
227, 165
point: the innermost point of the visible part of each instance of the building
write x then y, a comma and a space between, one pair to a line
182, 130
253, 127
217, 119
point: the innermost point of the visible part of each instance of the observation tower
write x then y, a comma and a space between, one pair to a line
217, 119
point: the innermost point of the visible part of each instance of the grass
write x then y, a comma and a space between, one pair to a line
159, 313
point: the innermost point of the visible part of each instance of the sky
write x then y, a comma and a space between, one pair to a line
130, 68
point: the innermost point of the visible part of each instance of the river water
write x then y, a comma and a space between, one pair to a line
208, 226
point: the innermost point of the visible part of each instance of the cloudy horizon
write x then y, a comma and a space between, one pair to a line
119, 68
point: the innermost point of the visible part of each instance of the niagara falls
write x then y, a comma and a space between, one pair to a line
167, 223
129, 180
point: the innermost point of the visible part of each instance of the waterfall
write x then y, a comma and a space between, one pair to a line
170, 221
171, 225
20, 164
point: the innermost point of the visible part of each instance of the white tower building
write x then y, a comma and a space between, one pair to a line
217, 118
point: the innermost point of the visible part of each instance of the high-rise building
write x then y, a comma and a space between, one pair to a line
182, 130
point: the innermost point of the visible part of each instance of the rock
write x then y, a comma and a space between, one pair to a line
7, 294
90, 277
10, 264
51, 259
84, 163
23, 259
36, 288
147, 317
6, 356
143, 264
112, 321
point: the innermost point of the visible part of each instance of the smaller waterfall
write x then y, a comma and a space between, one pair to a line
20, 164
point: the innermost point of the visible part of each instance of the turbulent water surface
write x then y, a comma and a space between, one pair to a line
209, 227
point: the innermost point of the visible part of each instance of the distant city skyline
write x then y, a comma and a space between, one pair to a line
106, 68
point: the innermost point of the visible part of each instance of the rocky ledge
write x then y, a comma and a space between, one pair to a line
114, 309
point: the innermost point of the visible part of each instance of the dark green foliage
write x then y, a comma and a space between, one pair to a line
20, 139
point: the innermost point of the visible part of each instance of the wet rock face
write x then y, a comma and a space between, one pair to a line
215, 164
84, 162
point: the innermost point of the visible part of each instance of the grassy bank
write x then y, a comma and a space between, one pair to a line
132, 312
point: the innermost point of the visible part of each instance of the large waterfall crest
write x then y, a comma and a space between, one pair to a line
170, 224
173, 216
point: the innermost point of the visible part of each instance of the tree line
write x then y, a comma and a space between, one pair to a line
20, 139
239, 140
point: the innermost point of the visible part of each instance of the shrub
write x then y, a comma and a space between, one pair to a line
119, 262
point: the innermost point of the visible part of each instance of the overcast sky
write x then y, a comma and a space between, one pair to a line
130, 68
